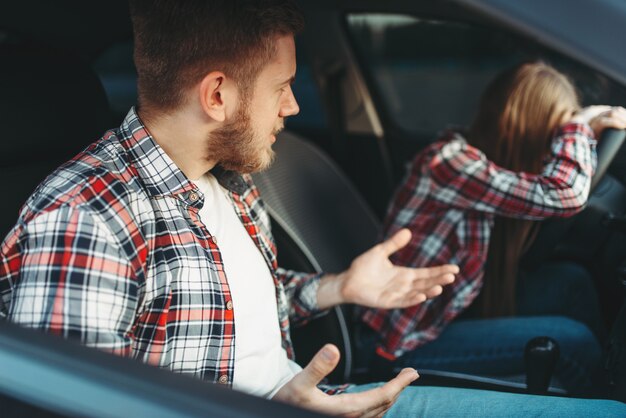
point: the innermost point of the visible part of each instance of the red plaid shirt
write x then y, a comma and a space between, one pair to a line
107, 249
449, 201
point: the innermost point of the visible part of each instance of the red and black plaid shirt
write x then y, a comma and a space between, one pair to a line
110, 250
449, 200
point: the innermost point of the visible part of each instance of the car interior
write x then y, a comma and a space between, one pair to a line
374, 87
303, 190
385, 100
48, 376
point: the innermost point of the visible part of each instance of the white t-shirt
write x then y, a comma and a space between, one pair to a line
261, 363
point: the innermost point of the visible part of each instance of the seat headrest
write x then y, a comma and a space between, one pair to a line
52, 105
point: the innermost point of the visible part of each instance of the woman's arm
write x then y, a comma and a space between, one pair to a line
463, 177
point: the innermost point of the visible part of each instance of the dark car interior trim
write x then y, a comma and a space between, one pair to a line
63, 377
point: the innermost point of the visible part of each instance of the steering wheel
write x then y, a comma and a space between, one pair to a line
553, 230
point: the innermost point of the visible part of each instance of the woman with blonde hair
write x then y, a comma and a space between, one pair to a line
473, 199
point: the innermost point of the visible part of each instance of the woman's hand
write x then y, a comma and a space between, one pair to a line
600, 117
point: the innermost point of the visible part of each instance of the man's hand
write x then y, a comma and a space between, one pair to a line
302, 390
373, 281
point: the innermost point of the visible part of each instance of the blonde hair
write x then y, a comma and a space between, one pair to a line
519, 114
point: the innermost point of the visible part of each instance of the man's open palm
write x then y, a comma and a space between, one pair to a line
373, 281
302, 390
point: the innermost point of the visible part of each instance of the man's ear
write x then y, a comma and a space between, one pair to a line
214, 94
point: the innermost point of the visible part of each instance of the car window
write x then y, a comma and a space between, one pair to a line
428, 74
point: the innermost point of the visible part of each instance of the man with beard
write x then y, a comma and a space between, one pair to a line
153, 243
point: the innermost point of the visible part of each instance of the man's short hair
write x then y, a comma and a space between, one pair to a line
178, 42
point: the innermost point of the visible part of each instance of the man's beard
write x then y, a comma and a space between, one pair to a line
236, 146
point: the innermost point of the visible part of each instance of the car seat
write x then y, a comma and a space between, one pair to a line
321, 223
51, 106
